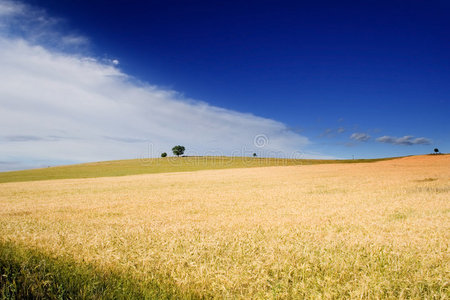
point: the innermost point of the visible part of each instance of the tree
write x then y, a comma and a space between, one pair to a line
164, 154
436, 150
178, 150
254, 154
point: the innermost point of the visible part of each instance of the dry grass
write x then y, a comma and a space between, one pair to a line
370, 230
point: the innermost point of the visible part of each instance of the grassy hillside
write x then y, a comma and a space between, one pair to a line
336, 231
156, 165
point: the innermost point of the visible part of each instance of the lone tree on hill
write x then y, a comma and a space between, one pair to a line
164, 154
436, 150
254, 154
178, 150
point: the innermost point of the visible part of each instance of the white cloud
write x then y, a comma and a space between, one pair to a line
360, 137
59, 107
407, 140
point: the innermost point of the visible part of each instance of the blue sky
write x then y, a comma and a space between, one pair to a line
321, 78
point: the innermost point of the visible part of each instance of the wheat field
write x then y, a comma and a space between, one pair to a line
364, 231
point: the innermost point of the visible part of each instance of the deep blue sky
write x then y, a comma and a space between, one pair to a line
375, 67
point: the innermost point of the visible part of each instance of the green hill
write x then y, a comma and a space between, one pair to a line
157, 165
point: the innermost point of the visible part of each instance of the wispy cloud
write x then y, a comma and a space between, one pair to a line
329, 132
407, 140
340, 130
36, 26
74, 40
28, 138
9, 8
360, 137
125, 139
98, 112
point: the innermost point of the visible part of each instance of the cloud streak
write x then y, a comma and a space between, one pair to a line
407, 140
360, 137
57, 106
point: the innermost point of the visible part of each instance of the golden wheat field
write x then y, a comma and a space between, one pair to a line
369, 230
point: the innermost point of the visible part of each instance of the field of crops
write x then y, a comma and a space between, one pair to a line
368, 230
156, 165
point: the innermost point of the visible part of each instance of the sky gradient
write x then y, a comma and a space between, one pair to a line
323, 79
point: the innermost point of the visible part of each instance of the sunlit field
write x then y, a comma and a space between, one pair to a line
377, 230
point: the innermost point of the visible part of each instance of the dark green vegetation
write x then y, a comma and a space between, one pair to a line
158, 165
178, 150
31, 274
